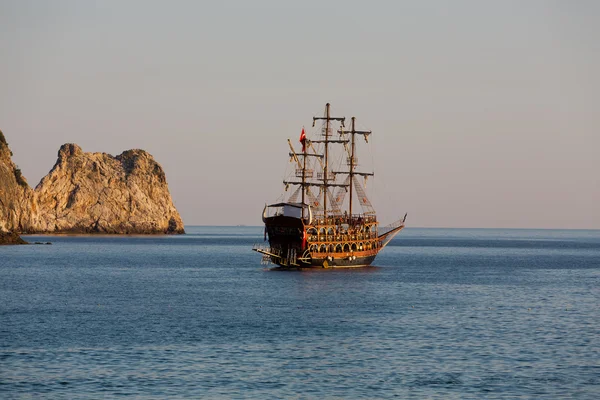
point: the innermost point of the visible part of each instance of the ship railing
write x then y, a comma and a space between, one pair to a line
355, 219
391, 227
340, 237
330, 175
308, 173
266, 258
261, 246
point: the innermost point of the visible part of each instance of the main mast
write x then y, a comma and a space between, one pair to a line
327, 119
303, 187
305, 176
351, 164
326, 167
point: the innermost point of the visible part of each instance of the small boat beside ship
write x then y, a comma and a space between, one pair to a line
327, 221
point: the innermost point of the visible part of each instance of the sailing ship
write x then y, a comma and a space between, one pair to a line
327, 221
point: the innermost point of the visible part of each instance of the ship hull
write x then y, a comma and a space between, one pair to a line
342, 262
333, 263
289, 248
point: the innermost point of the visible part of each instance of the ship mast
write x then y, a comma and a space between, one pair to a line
303, 187
352, 162
328, 118
305, 175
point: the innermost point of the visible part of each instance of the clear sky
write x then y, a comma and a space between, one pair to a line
484, 114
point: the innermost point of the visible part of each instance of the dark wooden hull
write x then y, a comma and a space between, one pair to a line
342, 262
333, 262
288, 248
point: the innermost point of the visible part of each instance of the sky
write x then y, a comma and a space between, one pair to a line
484, 114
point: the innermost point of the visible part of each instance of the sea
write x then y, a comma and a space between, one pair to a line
442, 314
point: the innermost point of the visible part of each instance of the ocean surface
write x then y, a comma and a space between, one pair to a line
445, 314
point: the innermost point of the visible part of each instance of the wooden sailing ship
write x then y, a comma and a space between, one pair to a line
318, 225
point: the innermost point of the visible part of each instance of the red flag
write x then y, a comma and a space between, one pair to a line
303, 140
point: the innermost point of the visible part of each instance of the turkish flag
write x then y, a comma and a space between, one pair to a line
303, 140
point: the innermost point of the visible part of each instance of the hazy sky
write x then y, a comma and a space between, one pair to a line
484, 114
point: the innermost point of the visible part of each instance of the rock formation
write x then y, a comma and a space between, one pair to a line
90, 193
15, 196
10, 238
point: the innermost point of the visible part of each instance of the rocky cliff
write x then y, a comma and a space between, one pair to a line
15, 194
91, 193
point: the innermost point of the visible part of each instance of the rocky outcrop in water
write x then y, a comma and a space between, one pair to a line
90, 193
95, 192
10, 238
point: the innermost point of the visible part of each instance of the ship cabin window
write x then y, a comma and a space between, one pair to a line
338, 248
346, 247
291, 211
353, 247
323, 249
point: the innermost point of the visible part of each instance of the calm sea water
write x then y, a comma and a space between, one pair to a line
445, 314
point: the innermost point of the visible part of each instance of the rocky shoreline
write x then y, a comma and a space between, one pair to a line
11, 238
